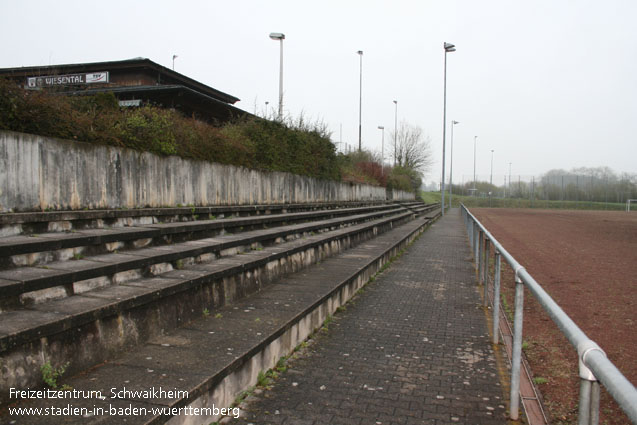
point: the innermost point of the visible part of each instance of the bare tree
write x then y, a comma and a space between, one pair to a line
413, 148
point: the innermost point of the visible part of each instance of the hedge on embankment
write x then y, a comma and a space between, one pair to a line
296, 147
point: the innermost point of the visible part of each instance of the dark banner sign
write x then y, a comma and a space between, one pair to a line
65, 80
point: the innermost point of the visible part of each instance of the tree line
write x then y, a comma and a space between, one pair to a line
590, 184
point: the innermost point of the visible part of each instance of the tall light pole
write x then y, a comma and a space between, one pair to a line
382, 151
280, 36
395, 129
174, 57
510, 180
448, 48
491, 179
360, 101
475, 138
451, 161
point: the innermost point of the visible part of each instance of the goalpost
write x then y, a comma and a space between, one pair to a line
628, 203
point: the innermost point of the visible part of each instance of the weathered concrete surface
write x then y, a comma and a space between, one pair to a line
38, 173
137, 310
412, 349
216, 357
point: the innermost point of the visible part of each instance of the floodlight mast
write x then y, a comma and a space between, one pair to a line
280, 36
448, 48
360, 101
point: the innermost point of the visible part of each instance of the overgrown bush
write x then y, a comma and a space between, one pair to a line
295, 146
362, 167
404, 178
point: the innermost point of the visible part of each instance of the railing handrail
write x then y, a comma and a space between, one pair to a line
589, 353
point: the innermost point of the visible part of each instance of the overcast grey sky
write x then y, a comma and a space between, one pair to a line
545, 83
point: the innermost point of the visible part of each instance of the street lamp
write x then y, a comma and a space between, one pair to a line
475, 138
451, 161
382, 151
280, 36
448, 48
360, 100
395, 128
174, 57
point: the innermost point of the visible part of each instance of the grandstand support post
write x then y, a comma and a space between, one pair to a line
516, 354
496, 298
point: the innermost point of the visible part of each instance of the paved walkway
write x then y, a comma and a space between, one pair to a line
413, 348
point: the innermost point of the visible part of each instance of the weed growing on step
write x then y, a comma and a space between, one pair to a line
206, 312
326, 323
50, 375
218, 316
539, 380
78, 256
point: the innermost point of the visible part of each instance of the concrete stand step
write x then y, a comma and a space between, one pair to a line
17, 281
112, 319
206, 363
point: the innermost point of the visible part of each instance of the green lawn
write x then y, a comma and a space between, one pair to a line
469, 201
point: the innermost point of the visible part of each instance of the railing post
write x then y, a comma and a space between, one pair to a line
487, 245
496, 298
595, 395
584, 414
480, 255
475, 243
588, 413
516, 354
469, 224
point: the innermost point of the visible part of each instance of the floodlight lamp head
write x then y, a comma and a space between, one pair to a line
450, 47
380, 127
455, 122
360, 52
277, 36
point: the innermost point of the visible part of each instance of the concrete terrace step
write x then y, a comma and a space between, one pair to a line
26, 244
21, 326
17, 281
40, 222
112, 319
214, 358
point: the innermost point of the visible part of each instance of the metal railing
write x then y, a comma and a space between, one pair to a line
594, 366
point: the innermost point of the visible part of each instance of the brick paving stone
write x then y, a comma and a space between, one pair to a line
412, 348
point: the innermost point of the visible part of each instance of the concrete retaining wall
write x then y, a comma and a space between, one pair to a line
39, 173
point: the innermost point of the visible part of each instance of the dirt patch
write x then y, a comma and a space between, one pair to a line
587, 262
